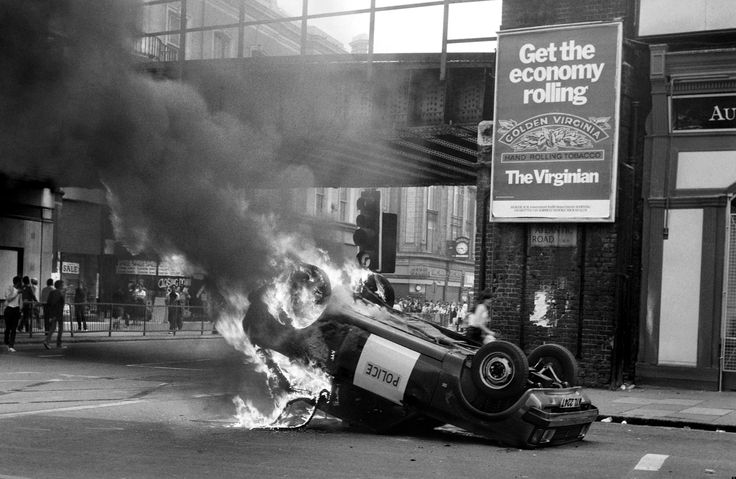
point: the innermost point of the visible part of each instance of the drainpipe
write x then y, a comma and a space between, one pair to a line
724, 291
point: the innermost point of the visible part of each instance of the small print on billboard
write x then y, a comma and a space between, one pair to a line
556, 123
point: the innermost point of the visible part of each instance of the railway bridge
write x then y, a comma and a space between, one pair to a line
357, 121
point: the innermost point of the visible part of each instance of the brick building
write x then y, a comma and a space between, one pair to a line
581, 290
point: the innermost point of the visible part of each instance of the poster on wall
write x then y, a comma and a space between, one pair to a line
555, 138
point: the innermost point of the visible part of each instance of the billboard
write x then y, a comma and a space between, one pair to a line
555, 132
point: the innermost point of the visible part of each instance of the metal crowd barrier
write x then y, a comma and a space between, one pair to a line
121, 318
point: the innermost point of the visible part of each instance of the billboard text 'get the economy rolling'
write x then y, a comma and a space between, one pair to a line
556, 123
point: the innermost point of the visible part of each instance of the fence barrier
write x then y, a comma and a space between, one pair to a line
114, 318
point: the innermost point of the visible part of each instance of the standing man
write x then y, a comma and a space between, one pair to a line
36, 305
13, 298
55, 308
80, 298
29, 300
44, 298
174, 311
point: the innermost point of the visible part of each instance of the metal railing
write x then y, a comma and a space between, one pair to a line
120, 318
155, 48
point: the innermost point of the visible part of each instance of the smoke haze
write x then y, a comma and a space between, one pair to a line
179, 177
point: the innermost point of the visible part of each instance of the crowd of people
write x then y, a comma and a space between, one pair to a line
24, 304
23, 307
26, 308
446, 313
474, 322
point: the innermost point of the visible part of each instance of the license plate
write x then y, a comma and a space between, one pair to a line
570, 402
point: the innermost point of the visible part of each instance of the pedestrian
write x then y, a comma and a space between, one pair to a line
43, 299
173, 310
118, 310
80, 298
205, 298
29, 301
55, 308
477, 322
36, 305
13, 299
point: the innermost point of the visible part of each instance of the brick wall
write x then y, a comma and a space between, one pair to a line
583, 297
532, 13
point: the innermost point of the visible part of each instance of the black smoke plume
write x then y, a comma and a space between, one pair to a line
74, 111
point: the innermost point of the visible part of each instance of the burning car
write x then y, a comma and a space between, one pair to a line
391, 371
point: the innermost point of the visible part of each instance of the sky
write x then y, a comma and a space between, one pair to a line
415, 30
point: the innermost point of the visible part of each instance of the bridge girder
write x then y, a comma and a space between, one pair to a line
354, 123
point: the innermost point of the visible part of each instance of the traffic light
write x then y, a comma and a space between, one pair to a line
376, 234
366, 237
387, 246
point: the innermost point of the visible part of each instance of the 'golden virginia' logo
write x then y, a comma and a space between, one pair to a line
553, 131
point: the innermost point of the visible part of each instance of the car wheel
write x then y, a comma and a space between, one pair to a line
555, 363
377, 289
500, 370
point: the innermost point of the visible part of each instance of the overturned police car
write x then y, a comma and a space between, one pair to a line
394, 372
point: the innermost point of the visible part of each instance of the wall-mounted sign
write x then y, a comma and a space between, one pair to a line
424, 271
553, 235
555, 139
69, 268
704, 112
136, 266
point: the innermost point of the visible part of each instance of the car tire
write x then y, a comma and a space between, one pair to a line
500, 370
559, 359
378, 289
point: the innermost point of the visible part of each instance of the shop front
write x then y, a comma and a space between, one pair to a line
688, 322
426, 278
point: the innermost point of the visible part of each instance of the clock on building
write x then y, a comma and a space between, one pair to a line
461, 247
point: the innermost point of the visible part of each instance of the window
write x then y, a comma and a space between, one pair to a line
455, 231
343, 208
410, 206
173, 22
319, 204
221, 47
431, 200
431, 231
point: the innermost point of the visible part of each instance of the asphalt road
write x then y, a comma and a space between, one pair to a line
164, 408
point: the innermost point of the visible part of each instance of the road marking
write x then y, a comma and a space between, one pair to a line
3, 476
163, 367
160, 365
71, 408
651, 462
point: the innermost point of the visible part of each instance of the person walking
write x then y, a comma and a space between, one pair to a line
13, 298
80, 298
36, 305
43, 299
173, 310
477, 329
29, 300
55, 308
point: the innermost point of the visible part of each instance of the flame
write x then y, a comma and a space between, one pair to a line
297, 301
301, 381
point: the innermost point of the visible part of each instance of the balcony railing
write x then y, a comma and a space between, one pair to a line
154, 48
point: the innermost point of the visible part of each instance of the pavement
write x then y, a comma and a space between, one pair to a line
631, 404
661, 406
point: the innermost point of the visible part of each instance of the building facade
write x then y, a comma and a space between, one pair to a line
432, 221
28, 213
565, 280
688, 320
